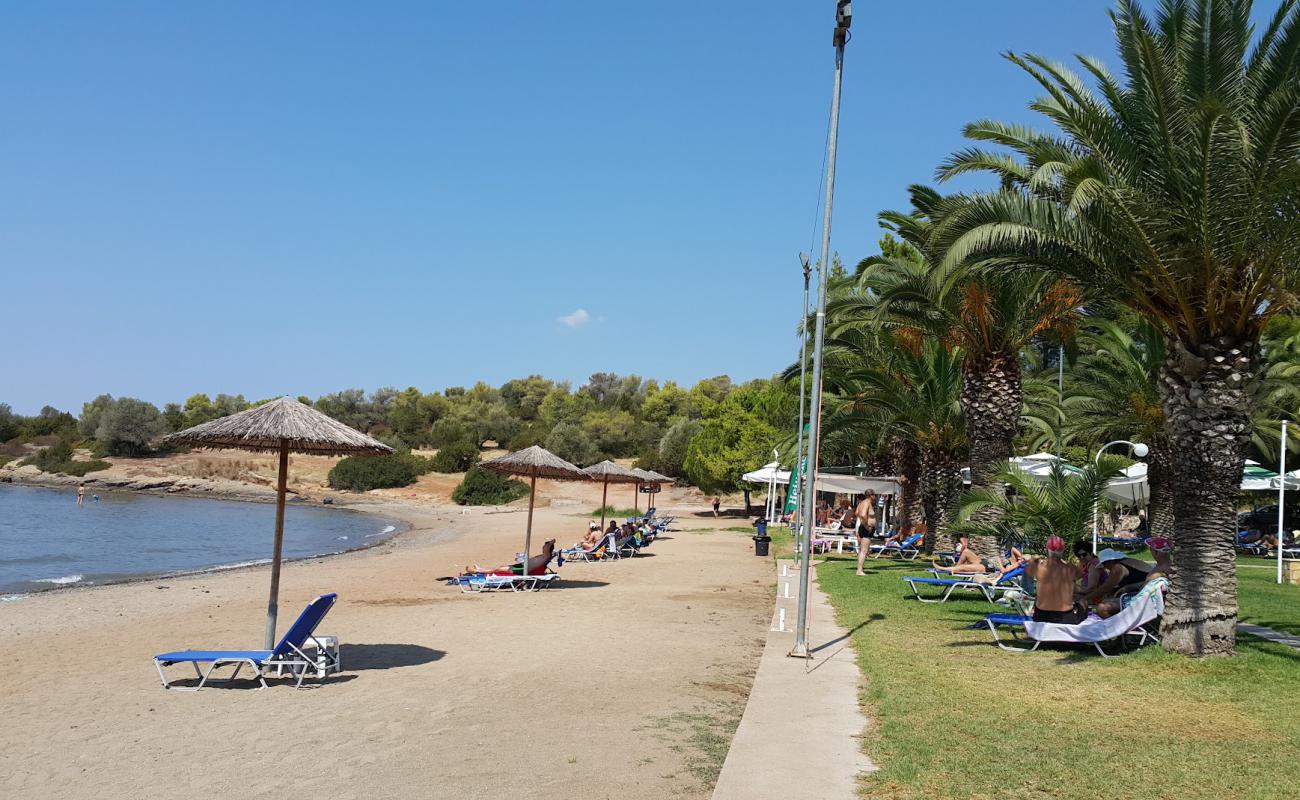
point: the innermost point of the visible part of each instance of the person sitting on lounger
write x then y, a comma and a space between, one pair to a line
1160, 548
1014, 561
968, 561
536, 565
1122, 574
1090, 574
593, 535
1056, 578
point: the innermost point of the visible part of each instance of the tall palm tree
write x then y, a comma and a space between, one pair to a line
1176, 189
1112, 394
910, 387
988, 318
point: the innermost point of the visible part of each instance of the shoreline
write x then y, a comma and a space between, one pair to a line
404, 518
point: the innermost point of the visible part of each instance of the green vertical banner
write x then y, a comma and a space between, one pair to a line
791, 493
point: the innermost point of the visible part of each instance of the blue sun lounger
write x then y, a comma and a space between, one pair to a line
909, 549
1134, 621
950, 585
288, 653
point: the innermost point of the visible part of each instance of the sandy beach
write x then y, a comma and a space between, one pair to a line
624, 681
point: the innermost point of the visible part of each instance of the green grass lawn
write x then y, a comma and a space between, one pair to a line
954, 716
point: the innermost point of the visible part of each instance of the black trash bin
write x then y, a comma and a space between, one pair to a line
762, 540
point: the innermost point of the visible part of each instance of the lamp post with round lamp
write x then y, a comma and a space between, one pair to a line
1140, 450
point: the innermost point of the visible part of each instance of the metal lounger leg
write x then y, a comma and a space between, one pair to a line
1000, 643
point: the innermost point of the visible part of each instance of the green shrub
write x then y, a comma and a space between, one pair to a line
613, 512
483, 487
362, 473
455, 457
57, 459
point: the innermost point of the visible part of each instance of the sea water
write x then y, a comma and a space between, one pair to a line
48, 541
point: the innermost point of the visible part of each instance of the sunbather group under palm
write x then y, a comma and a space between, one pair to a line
1066, 592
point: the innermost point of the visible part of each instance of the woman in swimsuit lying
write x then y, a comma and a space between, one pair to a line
536, 565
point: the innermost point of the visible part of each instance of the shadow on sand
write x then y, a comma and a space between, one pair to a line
386, 656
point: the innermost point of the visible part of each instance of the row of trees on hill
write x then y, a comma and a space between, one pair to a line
701, 434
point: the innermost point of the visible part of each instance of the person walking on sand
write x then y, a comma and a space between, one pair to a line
717, 503
865, 514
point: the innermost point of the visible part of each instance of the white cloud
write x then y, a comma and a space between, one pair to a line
577, 319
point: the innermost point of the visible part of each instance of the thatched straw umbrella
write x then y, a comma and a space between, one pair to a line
643, 476
534, 462
279, 426
608, 472
660, 478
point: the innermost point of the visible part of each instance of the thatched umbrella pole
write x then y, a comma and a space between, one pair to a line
528, 532
604, 494
281, 487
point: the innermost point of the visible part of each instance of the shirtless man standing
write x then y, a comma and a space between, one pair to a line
865, 514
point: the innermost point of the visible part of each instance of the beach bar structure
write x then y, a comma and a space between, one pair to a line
279, 426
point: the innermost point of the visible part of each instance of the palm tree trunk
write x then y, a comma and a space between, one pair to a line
992, 399
1207, 392
940, 487
907, 463
1160, 505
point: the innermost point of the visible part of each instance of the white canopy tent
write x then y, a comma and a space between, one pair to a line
1131, 488
767, 473
772, 475
829, 482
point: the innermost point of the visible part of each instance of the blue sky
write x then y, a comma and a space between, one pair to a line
300, 198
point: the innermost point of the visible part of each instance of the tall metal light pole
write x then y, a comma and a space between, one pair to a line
803, 370
843, 18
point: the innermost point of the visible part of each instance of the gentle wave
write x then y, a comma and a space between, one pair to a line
10, 598
62, 580
387, 529
255, 562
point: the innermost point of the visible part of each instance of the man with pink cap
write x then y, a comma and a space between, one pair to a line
1056, 578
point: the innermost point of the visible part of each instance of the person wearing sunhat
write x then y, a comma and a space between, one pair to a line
1121, 574
1056, 578
1160, 548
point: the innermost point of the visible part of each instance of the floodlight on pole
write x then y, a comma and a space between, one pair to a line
1140, 450
843, 17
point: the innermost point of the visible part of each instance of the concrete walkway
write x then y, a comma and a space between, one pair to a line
1270, 634
799, 736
